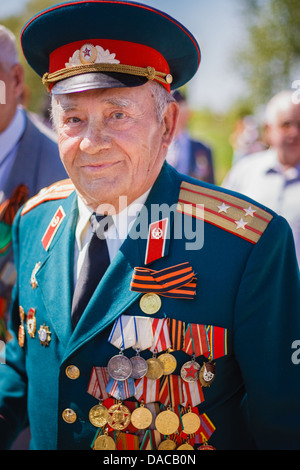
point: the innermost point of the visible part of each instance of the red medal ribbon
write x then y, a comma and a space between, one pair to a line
196, 341
177, 281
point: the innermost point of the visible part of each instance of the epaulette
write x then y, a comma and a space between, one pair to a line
59, 190
233, 214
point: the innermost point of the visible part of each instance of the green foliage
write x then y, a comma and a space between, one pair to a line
271, 59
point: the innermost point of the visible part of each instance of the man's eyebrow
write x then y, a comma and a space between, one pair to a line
67, 106
121, 102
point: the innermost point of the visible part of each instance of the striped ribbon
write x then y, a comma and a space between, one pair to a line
161, 336
151, 440
177, 333
206, 429
126, 441
217, 339
195, 341
147, 390
171, 391
98, 383
193, 394
177, 281
121, 389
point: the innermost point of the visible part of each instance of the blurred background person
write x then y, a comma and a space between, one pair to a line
245, 138
29, 160
187, 155
272, 177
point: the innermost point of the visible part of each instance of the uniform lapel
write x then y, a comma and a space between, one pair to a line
113, 296
55, 276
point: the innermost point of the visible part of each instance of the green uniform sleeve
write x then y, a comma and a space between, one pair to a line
267, 322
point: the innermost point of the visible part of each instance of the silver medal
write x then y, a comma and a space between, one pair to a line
139, 367
190, 371
119, 367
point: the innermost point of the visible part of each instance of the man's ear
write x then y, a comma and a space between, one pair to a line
17, 75
169, 122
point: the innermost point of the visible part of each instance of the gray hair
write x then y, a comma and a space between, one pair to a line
161, 97
8, 48
280, 102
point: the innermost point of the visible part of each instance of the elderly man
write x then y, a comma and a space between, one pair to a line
29, 160
272, 177
137, 333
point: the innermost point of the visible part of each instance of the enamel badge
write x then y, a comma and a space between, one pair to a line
31, 322
156, 240
44, 335
53, 227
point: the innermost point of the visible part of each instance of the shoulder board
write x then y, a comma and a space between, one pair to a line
60, 190
224, 210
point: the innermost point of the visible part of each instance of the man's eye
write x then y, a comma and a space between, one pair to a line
118, 116
73, 120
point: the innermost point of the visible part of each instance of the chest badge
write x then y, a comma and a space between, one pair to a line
33, 280
53, 227
31, 322
44, 335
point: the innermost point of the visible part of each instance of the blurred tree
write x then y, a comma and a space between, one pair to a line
271, 59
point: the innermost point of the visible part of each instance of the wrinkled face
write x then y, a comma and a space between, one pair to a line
284, 135
112, 143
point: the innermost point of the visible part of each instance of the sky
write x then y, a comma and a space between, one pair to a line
218, 27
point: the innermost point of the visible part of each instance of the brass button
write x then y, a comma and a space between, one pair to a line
69, 416
72, 372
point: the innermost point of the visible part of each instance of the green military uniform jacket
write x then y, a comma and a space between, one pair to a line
247, 283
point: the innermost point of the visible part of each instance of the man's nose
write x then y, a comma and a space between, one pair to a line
95, 139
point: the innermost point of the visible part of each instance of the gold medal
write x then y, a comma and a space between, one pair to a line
31, 322
155, 369
21, 331
150, 303
190, 422
169, 363
207, 374
98, 415
185, 446
167, 422
141, 417
167, 444
104, 442
118, 417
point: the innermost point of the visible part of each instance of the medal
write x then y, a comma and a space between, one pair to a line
190, 371
31, 322
139, 366
33, 280
167, 444
141, 417
168, 362
206, 446
185, 446
155, 369
190, 422
21, 331
207, 374
98, 415
104, 442
119, 367
118, 417
150, 303
167, 422
44, 335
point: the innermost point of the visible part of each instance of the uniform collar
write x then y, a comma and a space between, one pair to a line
123, 221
